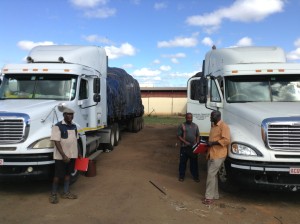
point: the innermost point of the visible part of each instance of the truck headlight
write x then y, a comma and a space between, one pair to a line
241, 149
42, 143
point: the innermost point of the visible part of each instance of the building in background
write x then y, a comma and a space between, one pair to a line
164, 100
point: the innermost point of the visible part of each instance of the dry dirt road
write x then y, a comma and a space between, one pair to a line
137, 183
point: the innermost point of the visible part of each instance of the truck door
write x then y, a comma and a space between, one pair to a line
201, 115
83, 98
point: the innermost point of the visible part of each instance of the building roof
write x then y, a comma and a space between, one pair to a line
169, 89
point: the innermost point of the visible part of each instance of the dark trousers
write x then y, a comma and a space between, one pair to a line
184, 157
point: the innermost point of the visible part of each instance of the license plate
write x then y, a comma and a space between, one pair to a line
295, 171
1, 162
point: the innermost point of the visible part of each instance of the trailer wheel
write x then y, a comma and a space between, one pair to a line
142, 123
110, 145
135, 125
130, 125
224, 181
117, 134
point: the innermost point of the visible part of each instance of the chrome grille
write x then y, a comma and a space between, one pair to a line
11, 130
284, 136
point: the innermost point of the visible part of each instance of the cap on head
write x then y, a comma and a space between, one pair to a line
68, 110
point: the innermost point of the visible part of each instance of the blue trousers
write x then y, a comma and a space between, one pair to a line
184, 157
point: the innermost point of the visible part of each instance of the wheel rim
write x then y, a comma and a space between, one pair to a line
112, 138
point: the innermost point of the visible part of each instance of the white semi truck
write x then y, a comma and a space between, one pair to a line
258, 94
32, 94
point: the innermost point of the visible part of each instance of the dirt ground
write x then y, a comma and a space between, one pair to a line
137, 183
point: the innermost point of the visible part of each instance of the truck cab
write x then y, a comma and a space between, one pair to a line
257, 92
32, 96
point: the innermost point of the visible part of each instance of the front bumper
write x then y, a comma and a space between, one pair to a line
26, 166
263, 175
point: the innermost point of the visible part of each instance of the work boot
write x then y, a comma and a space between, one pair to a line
53, 199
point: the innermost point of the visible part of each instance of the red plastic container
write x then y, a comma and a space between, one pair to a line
201, 148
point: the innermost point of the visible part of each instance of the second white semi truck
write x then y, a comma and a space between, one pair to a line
258, 94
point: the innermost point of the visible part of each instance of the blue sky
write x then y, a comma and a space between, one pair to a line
161, 43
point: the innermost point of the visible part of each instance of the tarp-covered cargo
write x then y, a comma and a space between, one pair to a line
123, 95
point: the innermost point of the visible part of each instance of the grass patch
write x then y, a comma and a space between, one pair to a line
165, 120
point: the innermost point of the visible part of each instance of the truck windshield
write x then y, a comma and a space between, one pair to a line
283, 88
35, 86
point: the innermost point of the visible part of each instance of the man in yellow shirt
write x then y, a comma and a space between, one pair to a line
219, 139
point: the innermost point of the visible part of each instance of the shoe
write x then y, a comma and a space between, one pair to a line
207, 201
69, 195
196, 180
181, 179
53, 199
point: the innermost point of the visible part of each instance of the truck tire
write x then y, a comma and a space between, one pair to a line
224, 181
111, 144
130, 125
142, 123
117, 134
135, 125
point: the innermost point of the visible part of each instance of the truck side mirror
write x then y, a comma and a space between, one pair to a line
96, 86
203, 90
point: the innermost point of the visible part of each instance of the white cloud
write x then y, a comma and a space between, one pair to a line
126, 66
146, 72
88, 3
179, 42
245, 41
97, 39
174, 57
178, 55
297, 42
294, 55
125, 49
165, 68
100, 13
207, 41
174, 60
184, 74
94, 8
240, 10
156, 61
160, 5
28, 45
135, 2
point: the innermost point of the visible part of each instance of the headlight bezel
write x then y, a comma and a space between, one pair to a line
239, 148
43, 143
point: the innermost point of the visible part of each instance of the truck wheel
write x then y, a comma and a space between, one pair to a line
139, 123
142, 123
130, 125
110, 145
135, 125
117, 134
224, 181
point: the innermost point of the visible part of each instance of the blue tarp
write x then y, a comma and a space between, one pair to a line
123, 95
